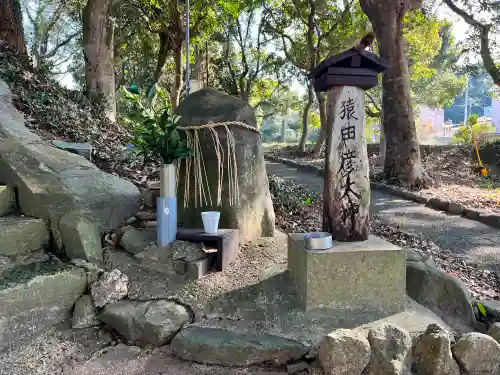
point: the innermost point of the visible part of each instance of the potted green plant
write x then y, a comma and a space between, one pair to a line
156, 137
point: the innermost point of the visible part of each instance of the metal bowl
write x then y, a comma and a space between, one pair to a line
318, 241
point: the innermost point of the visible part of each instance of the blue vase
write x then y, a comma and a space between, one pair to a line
166, 220
166, 206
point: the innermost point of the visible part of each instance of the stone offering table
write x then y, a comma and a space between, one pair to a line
226, 241
365, 276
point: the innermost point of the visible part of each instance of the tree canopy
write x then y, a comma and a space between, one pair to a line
256, 50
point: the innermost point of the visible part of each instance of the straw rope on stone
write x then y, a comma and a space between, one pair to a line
218, 124
196, 163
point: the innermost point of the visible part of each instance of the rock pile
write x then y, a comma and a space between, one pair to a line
380, 349
388, 349
138, 322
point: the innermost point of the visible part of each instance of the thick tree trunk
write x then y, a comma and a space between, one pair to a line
322, 117
305, 118
162, 56
175, 90
402, 156
346, 200
11, 25
98, 35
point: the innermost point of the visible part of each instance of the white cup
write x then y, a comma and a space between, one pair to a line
210, 221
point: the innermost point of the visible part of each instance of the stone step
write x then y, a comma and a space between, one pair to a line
36, 296
20, 235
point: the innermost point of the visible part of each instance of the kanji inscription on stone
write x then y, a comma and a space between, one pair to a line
347, 186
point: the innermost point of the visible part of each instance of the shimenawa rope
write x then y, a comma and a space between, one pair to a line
196, 163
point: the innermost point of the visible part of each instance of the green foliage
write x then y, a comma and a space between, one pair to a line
314, 121
53, 30
434, 84
465, 132
431, 55
290, 197
438, 91
480, 48
154, 127
246, 55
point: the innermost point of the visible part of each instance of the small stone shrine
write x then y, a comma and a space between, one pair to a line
355, 272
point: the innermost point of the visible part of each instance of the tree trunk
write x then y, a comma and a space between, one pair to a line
11, 26
175, 91
305, 118
98, 35
322, 117
381, 158
198, 68
402, 157
346, 197
162, 56
283, 131
207, 74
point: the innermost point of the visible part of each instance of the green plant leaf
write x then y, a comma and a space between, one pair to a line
481, 309
154, 128
133, 89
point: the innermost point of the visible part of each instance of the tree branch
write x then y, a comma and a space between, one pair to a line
484, 31
373, 101
462, 13
55, 16
62, 44
298, 12
59, 63
234, 83
345, 12
370, 113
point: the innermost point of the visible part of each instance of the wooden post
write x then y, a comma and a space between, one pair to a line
347, 185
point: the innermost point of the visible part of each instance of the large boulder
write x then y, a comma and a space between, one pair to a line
35, 296
143, 323
227, 348
52, 183
253, 215
444, 294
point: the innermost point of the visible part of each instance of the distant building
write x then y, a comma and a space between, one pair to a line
495, 114
431, 117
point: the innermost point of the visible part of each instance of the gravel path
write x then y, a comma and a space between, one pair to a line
474, 241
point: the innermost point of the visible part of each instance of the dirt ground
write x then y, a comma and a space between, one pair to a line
81, 352
253, 295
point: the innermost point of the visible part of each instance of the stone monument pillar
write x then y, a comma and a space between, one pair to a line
347, 184
345, 77
355, 274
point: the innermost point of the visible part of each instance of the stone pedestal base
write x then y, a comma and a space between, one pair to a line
367, 277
